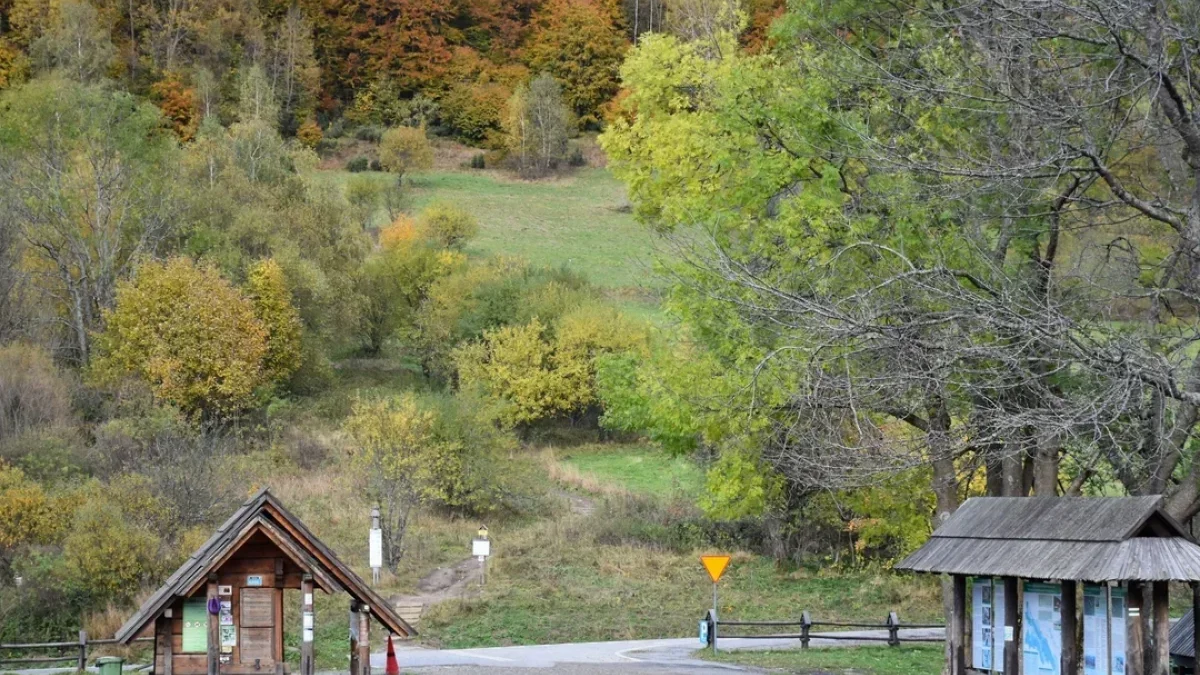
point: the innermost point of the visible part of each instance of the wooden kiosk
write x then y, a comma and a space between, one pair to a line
222, 612
1033, 560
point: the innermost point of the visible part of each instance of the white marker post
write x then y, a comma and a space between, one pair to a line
481, 547
376, 546
715, 566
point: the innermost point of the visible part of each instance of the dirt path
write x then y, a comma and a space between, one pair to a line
461, 580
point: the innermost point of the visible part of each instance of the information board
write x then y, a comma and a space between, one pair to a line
1095, 630
1041, 643
998, 611
195, 625
982, 643
1117, 636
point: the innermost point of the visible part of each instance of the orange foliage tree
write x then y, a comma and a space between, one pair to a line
177, 101
582, 44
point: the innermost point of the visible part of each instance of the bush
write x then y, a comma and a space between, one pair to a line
369, 133
309, 134
576, 158
448, 225
478, 161
107, 554
358, 164
34, 394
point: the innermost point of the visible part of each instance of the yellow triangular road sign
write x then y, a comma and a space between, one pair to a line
715, 564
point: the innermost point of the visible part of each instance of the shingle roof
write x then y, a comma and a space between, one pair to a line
1076, 538
1182, 643
264, 513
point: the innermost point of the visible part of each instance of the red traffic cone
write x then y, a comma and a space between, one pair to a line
393, 666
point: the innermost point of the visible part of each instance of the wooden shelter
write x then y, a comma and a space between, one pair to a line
1124, 550
222, 612
1183, 643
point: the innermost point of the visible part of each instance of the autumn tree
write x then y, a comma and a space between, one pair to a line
405, 149
581, 43
190, 335
27, 516
267, 289
448, 225
88, 194
538, 125
75, 43
177, 102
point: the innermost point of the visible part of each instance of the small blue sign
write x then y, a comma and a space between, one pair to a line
704, 633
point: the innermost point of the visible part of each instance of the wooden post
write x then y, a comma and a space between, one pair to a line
307, 626
958, 626
354, 627
1134, 657
82, 660
165, 644
1196, 619
1070, 628
805, 627
364, 639
1012, 626
214, 630
1162, 629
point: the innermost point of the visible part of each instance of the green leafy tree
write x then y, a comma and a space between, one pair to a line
581, 43
268, 289
448, 225
187, 333
538, 126
88, 194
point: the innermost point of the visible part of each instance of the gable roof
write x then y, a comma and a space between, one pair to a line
264, 514
1073, 538
1182, 641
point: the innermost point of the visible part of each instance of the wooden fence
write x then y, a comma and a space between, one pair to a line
65, 651
891, 624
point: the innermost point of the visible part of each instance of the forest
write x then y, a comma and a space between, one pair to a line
864, 261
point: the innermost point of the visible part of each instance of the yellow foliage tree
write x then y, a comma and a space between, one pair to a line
530, 374
402, 461
27, 515
402, 232
448, 225
106, 553
405, 149
268, 289
189, 334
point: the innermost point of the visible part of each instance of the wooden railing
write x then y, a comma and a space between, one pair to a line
67, 651
806, 624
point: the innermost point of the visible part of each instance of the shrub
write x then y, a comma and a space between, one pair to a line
34, 394
478, 161
107, 554
370, 133
405, 149
268, 291
448, 225
27, 516
357, 164
309, 134
576, 158
187, 333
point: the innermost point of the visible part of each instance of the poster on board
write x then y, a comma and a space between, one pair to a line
998, 611
981, 623
1117, 637
1041, 643
1095, 630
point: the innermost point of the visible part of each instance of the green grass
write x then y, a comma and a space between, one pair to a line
903, 660
575, 221
638, 469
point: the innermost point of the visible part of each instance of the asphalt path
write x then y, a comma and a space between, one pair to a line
628, 656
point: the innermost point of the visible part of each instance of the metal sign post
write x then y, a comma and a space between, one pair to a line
715, 566
481, 547
376, 546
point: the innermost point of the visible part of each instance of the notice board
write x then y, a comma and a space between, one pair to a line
195, 625
1041, 643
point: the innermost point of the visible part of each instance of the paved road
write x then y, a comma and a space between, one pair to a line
632, 656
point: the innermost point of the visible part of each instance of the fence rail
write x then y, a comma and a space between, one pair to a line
892, 625
78, 649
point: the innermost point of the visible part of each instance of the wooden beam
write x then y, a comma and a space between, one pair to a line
1196, 621
214, 630
354, 627
307, 626
164, 644
1134, 622
1012, 626
957, 625
1162, 629
1070, 628
364, 639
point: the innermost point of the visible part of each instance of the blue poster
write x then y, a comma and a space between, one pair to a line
1095, 630
1119, 607
1041, 642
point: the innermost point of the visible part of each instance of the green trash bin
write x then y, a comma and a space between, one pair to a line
110, 665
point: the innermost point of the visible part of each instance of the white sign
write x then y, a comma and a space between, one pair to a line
376, 548
1117, 637
987, 614
1041, 642
481, 547
1095, 630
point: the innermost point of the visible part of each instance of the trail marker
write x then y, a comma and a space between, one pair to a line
715, 565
